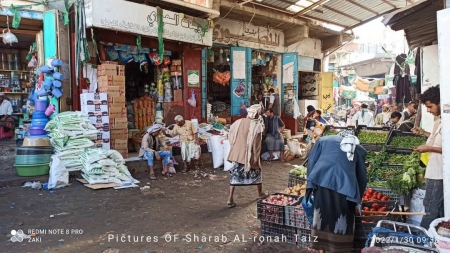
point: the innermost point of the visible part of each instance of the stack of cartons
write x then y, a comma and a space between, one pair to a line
111, 80
95, 105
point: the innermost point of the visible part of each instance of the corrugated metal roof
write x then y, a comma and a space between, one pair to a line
344, 13
419, 22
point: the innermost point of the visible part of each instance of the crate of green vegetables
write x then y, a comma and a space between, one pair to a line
297, 176
403, 142
334, 130
372, 139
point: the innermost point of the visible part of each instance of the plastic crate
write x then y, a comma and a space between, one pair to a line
391, 238
271, 231
294, 180
295, 216
376, 147
400, 150
273, 213
338, 129
364, 224
383, 129
400, 199
303, 237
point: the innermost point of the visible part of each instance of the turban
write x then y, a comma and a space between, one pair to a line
154, 128
253, 110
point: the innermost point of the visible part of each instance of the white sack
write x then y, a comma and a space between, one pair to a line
417, 206
442, 242
294, 146
217, 151
226, 151
59, 176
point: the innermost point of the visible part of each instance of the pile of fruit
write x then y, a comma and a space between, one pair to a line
299, 171
406, 141
372, 137
372, 196
280, 200
298, 190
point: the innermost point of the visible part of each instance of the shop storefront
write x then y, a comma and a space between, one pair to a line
245, 61
150, 72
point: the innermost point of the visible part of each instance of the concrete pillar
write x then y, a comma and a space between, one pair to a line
443, 19
295, 34
325, 63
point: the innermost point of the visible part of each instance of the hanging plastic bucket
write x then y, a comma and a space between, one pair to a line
57, 93
57, 63
40, 105
58, 76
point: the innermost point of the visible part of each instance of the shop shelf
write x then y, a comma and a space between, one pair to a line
304, 238
273, 213
285, 234
338, 129
294, 180
295, 216
400, 150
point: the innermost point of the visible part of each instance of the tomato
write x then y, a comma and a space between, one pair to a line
370, 190
384, 198
375, 205
373, 209
382, 209
379, 196
366, 209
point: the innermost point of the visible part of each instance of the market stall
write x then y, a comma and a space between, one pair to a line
395, 176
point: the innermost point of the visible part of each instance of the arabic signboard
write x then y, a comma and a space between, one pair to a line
231, 32
141, 19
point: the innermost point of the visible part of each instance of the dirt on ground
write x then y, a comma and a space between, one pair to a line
185, 213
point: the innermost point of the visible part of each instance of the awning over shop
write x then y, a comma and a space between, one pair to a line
418, 21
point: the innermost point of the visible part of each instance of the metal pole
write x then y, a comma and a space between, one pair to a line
443, 19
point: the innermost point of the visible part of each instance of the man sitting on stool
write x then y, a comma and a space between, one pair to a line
6, 110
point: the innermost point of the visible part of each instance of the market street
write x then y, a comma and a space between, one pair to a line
79, 219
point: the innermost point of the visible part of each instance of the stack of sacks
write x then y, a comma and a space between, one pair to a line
105, 166
70, 134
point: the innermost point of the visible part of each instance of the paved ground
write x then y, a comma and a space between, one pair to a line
86, 220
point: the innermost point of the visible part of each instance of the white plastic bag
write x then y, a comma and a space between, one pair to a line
294, 146
226, 151
192, 100
8, 37
198, 152
59, 176
417, 206
217, 151
297, 112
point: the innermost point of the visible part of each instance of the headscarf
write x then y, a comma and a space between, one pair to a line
154, 128
253, 110
348, 143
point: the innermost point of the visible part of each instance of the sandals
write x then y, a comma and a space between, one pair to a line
152, 177
167, 174
184, 170
231, 205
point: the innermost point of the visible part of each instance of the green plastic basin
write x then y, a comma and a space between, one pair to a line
32, 170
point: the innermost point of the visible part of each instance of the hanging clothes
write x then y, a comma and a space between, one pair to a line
402, 85
418, 72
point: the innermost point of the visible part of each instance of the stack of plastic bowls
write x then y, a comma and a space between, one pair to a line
39, 119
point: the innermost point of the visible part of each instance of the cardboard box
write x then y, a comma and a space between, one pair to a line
86, 109
105, 144
178, 96
110, 62
119, 143
123, 152
119, 134
103, 135
98, 119
112, 89
93, 96
96, 114
116, 100
119, 123
121, 70
105, 72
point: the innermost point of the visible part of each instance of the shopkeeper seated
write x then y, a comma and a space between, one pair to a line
6, 111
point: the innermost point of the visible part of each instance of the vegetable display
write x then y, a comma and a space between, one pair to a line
330, 132
373, 196
298, 190
372, 137
299, 171
404, 182
280, 200
406, 141
397, 159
